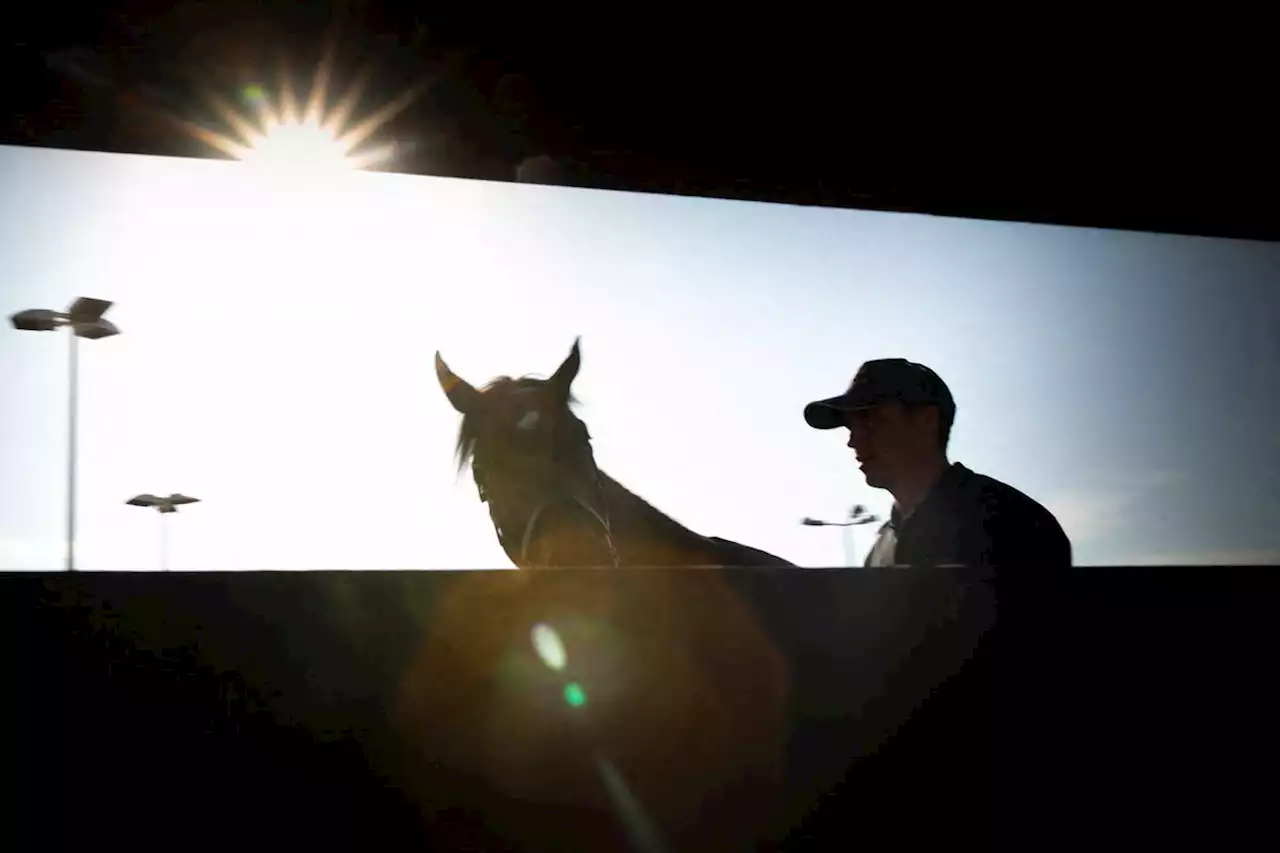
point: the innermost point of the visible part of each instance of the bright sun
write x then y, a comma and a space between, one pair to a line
299, 145
318, 137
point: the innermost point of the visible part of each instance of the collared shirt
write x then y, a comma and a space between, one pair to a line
973, 520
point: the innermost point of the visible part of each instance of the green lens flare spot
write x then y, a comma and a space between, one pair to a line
575, 695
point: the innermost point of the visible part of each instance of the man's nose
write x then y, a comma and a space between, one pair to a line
857, 430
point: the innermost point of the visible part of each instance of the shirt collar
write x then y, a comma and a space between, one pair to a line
946, 483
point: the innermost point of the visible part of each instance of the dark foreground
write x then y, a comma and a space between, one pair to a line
398, 711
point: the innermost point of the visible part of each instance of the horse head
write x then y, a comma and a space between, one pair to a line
532, 462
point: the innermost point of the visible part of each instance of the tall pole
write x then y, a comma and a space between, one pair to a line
72, 396
164, 542
846, 539
83, 319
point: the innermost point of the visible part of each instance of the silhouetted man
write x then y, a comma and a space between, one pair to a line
899, 416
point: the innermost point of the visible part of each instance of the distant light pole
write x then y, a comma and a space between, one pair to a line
858, 516
164, 506
84, 319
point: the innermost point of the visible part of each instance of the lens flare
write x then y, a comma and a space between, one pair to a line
254, 95
548, 646
575, 695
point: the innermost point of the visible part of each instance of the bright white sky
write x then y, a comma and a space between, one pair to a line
277, 338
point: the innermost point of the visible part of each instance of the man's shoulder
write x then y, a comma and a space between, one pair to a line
1016, 527
996, 497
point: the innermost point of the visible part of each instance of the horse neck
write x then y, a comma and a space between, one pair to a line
645, 536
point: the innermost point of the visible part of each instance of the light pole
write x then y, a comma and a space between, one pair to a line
163, 506
858, 516
84, 319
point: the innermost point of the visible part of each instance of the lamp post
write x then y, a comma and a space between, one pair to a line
84, 319
164, 506
858, 516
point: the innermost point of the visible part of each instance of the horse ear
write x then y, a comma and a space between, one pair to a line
568, 369
458, 390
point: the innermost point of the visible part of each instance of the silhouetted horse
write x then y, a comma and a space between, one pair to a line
550, 504
686, 692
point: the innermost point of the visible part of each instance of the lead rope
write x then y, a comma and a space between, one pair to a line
608, 529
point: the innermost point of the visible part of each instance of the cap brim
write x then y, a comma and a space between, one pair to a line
829, 413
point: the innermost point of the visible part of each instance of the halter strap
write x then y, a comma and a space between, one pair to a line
533, 522
601, 516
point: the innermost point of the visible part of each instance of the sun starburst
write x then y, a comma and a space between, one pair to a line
279, 133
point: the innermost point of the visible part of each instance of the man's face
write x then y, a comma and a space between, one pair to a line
890, 438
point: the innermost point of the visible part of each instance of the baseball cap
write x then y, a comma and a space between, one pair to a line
879, 381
